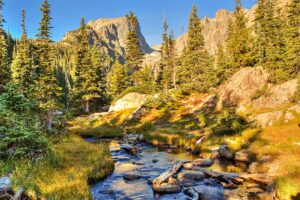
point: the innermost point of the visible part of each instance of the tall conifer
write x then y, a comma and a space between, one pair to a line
46, 89
22, 62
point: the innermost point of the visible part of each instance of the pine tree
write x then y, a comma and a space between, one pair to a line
221, 62
89, 80
4, 54
196, 69
167, 77
293, 37
270, 45
118, 78
22, 63
46, 89
239, 42
134, 55
99, 70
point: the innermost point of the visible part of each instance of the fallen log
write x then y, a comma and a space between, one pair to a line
168, 173
166, 188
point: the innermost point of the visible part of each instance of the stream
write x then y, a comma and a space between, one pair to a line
132, 176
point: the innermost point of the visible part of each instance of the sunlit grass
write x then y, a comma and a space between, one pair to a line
108, 126
67, 175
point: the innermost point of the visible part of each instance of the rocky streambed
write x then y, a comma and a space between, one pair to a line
146, 172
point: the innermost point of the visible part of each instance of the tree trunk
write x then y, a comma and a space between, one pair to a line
49, 121
87, 106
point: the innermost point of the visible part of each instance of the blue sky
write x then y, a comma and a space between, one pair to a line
66, 14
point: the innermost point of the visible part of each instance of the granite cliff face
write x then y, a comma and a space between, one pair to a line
215, 29
110, 34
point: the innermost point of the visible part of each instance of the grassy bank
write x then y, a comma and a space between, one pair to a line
67, 174
104, 126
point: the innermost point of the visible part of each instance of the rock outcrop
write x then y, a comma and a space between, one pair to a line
276, 96
109, 34
129, 101
241, 87
263, 103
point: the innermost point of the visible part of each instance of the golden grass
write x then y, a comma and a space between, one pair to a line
108, 126
282, 143
68, 175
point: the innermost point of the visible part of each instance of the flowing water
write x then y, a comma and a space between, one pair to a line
149, 164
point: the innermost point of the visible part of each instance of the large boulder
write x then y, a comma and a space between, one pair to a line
241, 87
129, 101
276, 96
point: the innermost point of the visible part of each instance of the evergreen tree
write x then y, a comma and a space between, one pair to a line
88, 79
293, 37
118, 78
196, 69
134, 55
221, 62
270, 45
46, 89
239, 42
167, 78
99, 70
4, 54
22, 63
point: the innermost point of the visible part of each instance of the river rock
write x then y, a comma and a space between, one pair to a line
187, 182
131, 177
130, 149
203, 162
141, 138
225, 153
191, 193
166, 188
191, 175
242, 157
207, 192
188, 166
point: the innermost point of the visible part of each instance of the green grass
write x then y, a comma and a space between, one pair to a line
67, 174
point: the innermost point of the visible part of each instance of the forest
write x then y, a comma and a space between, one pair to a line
47, 88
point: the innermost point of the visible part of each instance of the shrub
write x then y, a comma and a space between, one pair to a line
20, 130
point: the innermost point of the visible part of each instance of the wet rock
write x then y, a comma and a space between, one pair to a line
130, 149
131, 177
190, 192
207, 192
191, 175
225, 153
188, 166
242, 157
203, 162
141, 138
187, 182
166, 188
154, 160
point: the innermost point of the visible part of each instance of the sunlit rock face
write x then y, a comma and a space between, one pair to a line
241, 87
129, 101
110, 35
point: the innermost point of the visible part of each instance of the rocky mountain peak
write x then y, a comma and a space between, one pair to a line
110, 34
